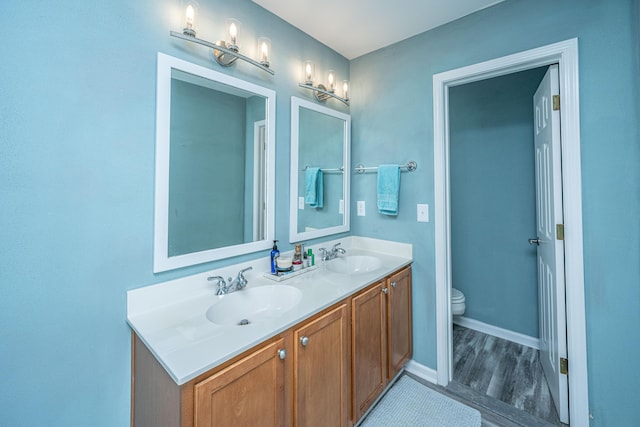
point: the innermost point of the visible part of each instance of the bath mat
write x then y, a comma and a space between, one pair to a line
409, 403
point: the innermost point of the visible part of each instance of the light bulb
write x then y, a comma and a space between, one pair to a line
233, 29
308, 72
331, 81
190, 21
190, 14
233, 33
345, 90
264, 46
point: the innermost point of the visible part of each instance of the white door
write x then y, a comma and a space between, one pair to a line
551, 286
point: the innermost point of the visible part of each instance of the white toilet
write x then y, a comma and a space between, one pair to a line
457, 302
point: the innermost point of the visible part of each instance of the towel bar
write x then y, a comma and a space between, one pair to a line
410, 167
340, 169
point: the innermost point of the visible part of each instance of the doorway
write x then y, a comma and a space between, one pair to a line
493, 214
259, 188
566, 55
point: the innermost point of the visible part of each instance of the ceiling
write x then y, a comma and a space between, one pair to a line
356, 27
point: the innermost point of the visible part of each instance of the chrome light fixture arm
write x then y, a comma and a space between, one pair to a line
224, 55
322, 94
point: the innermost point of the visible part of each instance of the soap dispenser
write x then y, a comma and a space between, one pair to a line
275, 253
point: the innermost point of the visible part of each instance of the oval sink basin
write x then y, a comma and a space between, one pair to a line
353, 264
254, 305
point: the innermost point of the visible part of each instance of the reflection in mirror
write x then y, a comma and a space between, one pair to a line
320, 139
214, 166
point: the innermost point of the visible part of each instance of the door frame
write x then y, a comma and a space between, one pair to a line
564, 53
259, 184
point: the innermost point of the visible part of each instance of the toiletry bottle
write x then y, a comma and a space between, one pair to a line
275, 253
305, 260
297, 259
310, 258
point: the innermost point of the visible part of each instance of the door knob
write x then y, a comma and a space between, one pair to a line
282, 353
393, 284
304, 341
535, 241
385, 291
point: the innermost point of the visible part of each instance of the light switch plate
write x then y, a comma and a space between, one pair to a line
423, 213
301, 203
341, 207
361, 208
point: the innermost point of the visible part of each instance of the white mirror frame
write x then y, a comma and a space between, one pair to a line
294, 234
161, 259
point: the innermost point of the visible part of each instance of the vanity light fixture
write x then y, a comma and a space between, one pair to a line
225, 52
322, 92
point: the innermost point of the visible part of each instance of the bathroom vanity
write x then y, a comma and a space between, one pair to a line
322, 361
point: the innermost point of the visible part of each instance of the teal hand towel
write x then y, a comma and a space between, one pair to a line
388, 189
313, 188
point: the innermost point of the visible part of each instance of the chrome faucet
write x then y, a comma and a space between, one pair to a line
333, 253
240, 282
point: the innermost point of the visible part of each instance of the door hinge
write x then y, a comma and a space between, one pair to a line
556, 102
564, 366
559, 231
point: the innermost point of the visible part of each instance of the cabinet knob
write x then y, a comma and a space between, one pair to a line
282, 353
304, 341
393, 284
385, 291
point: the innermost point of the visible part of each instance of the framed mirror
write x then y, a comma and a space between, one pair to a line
215, 165
319, 177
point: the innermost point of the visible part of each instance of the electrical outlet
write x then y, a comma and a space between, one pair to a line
361, 209
423, 213
301, 203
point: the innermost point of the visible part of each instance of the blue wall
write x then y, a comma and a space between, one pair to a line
493, 200
77, 138
392, 113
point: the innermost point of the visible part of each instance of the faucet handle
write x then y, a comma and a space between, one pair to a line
245, 269
242, 281
336, 250
324, 253
221, 285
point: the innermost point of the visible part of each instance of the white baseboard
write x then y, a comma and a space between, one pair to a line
422, 371
497, 332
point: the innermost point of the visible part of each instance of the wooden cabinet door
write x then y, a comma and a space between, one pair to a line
321, 387
399, 320
248, 393
369, 347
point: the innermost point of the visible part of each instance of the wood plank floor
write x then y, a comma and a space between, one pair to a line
495, 368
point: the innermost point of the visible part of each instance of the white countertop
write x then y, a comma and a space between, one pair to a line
170, 317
